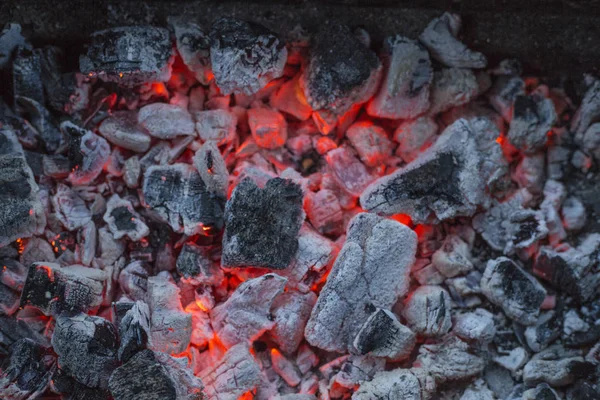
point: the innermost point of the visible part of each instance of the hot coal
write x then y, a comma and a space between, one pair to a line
195, 263
533, 116
452, 87
212, 169
291, 311
166, 121
123, 220
216, 125
70, 208
382, 335
193, 44
134, 330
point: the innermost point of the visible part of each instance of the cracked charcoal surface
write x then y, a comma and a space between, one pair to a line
70, 208
262, 225
193, 44
371, 271
194, 262
134, 331
533, 117
244, 56
88, 153
123, 220
382, 335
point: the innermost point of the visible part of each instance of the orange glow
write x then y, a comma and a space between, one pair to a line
422, 230
499, 140
403, 219
247, 396
201, 306
120, 74
160, 89
47, 270
31, 212
20, 245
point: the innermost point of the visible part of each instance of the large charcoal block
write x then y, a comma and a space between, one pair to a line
21, 211
87, 348
178, 194
245, 56
371, 271
10, 39
128, 55
341, 70
134, 329
262, 225
121, 128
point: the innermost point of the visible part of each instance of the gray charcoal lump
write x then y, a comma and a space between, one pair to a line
533, 116
193, 44
370, 272
245, 56
134, 330
262, 225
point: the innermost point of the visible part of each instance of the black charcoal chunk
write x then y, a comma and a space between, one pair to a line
245, 56
404, 90
27, 74
195, 263
54, 289
510, 287
533, 116
10, 39
179, 196
440, 38
262, 225
341, 71
382, 335
134, 330
12, 279
428, 311
371, 271
128, 55
87, 348
543, 391
588, 111
193, 45
43, 122
21, 211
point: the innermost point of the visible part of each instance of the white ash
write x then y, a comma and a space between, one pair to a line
440, 39
166, 121
110, 248
122, 129
428, 311
553, 366
531, 173
396, 384
358, 369
132, 171
452, 87
545, 330
453, 258
512, 360
89, 151
285, 368
86, 245
123, 220
382, 335
216, 125
591, 141
291, 311
37, 250
532, 118
478, 390
477, 325
415, 136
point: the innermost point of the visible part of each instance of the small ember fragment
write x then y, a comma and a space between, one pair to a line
123, 220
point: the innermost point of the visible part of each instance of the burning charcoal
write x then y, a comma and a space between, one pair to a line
447, 180
216, 125
477, 325
371, 143
54, 289
87, 348
154, 376
289, 100
170, 326
123, 220
573, 214
440, 39
36, 250
591, 141
533, 116
194, 263
133, 280
70, 208
324, 212
508, 286
572, 270
212, 169
193, 45
340, 72
10, 39
371, 271
56, 166
86, 247
110, 249
26, 373
121, 129
541, 391
179, 196
27, 74
358, 369
291, 311
453, 258
40, 119
128, 55
452, 87
449, 360
588, 111
382, 335
12, 278
235, 374
134, 331
531, 174
547, 328
245, 315
414, 137
556, 366
21, 211
87, 152
514, 359
478, 391
427, 311
404, 91
244, 56
503, 93
166, 121
268, 127
285, 368
262, 225
131, 172
348, 171
396, 384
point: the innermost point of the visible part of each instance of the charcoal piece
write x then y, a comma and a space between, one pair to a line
262, 225
10, 40
573, 270
547, 328
43, 122
573, 213
583, 390
371, 143
533, 116
440, 39
475, 326
428, 311
591, 141
27, 74
246, 314
503, 93
170, 325
122, 129
588, 111
21, 210
212, 169
531, 173
166, 121
371, 271
54, 289
382, 335
556, 366
452, 87
110, 249
179, 196
357, 369
87, 239
202, 332
453, 258
195, 264
235, 374
450, 359
123, 220
285, 368
291, 311
508, 286
133, 280
129, 55
70, 208
12, 330
12, 279
193, 45
340, 72
87, 348
447, 180
396, 384
154, 376
134, 331
56, 166
88, 153
26, 373
404, 90
348, 171
415, 136
268, 127
218, 126
245, 56
324, 212
132, 171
